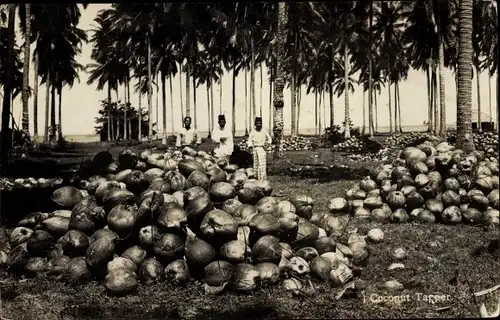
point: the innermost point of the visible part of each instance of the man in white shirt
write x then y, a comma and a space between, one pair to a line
223, 137
187, 136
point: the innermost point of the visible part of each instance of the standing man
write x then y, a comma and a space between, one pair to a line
187, 136
223, 137
257, 142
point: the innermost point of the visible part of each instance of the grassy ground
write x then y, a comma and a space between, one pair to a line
450, 261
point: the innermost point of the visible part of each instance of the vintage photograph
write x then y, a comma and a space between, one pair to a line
250, 160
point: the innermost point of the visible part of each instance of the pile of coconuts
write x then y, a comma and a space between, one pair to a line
432, 182
486, 142
290, 144
8, 184
406, 139
180, 217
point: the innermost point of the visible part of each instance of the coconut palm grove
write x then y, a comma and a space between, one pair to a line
186, 210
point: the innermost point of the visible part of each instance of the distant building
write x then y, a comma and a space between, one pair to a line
486, 124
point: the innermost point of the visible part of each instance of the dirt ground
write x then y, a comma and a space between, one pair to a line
444, 266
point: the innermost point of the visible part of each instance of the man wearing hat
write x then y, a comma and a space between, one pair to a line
223, 137
257, 143
187, 136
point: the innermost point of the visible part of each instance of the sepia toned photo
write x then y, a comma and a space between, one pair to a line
250, 160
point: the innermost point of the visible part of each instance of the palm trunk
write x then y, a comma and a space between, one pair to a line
332, 110
390, 104
363, 131
53, 113
399, 108
248, 122
118, 115
478, 83
395, 108
209, 110
59, 92
442, 92
371, 120
139, 125
129, 128
293, 100
320, 124
157, 113
279, 85
370, 58
295, 92
270, 105
260, 93
180, 89
233, 102
220, 90
47, 108
292, 85
252, 75
194, 104
464, 90
109, 112
298, 88
430, 126
347, 131
435, 97
150, 93
315, 112
35, 98
297, 107
26, 70
188, 93
432, 109
489, 102
170, 82
7, 87
325, 124
125, 110
498, 92
376, 111
212, 104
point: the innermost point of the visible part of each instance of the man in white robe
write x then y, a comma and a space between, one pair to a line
187, 136
223, 137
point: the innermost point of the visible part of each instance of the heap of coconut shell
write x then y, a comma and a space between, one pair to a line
433, 182
179, 217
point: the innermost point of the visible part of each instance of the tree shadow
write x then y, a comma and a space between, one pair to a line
322, 173
40, 168
18, 202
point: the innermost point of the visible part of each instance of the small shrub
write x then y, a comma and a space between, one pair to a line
335, 134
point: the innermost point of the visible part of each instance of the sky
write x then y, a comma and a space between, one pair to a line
80, 104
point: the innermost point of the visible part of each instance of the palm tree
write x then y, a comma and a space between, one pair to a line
488, 43
35, 96
26, 68
58, 42
464, 90
67, 75
485, 44
164, 40
388, 33
7, 86
430, 25
106, 66
139, 22
279, 83
299, 39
